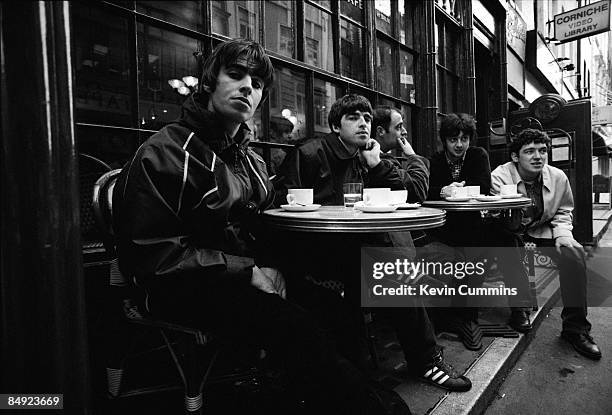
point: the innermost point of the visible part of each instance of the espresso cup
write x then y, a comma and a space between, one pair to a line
473, 190
398, 196
508, 189
378, 196
300, 196
459, 191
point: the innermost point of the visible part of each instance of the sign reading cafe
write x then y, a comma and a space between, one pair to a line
582, 22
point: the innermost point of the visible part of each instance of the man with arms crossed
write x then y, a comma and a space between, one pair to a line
548, 223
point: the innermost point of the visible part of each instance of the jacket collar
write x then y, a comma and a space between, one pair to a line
338, 147
516, 177
208, 126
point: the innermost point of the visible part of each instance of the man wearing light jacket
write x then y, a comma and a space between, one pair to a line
548, 223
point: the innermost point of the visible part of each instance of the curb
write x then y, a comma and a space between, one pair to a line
491, 368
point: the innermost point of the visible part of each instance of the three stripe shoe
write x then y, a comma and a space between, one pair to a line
443, 375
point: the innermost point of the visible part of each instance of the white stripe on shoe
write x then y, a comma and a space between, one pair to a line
443, 379
437, 375
430, 371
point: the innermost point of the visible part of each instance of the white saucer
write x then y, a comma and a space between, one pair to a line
300, 208
459, 199
374, 208
484, 198
514, 196
408, 205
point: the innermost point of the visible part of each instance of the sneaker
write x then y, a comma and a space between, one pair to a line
441, 374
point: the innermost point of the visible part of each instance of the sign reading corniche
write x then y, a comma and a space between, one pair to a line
582, 22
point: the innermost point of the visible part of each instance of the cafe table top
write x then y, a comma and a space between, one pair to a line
473, 204
341, 219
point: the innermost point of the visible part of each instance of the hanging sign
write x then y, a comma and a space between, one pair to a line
583, 22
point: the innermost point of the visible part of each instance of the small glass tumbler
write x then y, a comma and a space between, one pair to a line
352, 193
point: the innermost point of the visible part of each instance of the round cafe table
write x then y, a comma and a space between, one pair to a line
473, 204
348, 220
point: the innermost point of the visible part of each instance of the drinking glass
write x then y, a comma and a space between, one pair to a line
352, 193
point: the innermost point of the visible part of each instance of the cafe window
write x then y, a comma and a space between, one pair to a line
385, 67
325, 94
168, 73
318, 38
352, 51
384, 16
183, 13
102, 68
447, 76
279, 27
236, 19
287, 106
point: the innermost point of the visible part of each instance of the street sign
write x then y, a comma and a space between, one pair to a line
601, 115
583, 22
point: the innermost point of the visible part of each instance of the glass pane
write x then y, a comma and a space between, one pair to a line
353, 9
451, 92
325, 94
318, 38
184, 13
113, 146
406, 23
438, 37
324, 3
101, 67
450, 48
128, 4
352, 49
407, 84
383, 16
164, 56
384, 67
236, 19
256, 126
279, 27
287, 106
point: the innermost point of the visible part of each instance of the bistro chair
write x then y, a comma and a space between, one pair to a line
182, 342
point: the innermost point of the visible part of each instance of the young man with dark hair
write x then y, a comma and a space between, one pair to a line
389, 130
459, 165
186, 211
548, 223
348, 154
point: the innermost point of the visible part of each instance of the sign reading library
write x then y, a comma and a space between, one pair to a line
582, 22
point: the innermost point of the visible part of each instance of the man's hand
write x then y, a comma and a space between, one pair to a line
269, 280
447, 191
568, 242
405, 146
371, 153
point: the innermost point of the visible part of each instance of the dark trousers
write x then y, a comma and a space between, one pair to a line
337, 257
573, 281
242, 314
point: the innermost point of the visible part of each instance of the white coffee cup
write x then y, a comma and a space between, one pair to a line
459, 191
473, 190
378, 196
300, 196
398, 196
508, 189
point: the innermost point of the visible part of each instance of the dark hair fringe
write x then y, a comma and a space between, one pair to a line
453, 124
346, 105
528, 136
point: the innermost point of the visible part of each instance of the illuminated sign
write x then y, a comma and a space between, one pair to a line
583, 22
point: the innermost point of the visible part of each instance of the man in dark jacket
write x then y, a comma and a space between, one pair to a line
186, 217
348, 154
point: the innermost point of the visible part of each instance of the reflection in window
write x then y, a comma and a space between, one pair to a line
383, 16
352, 51
236, 19
167, 70
407, 89
111, 145
101, 67
406, 23
384, 67
287, 106
325, 94
184, 13
353, 9
279, 27
318, 38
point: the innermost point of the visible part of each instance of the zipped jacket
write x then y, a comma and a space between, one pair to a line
188, 201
